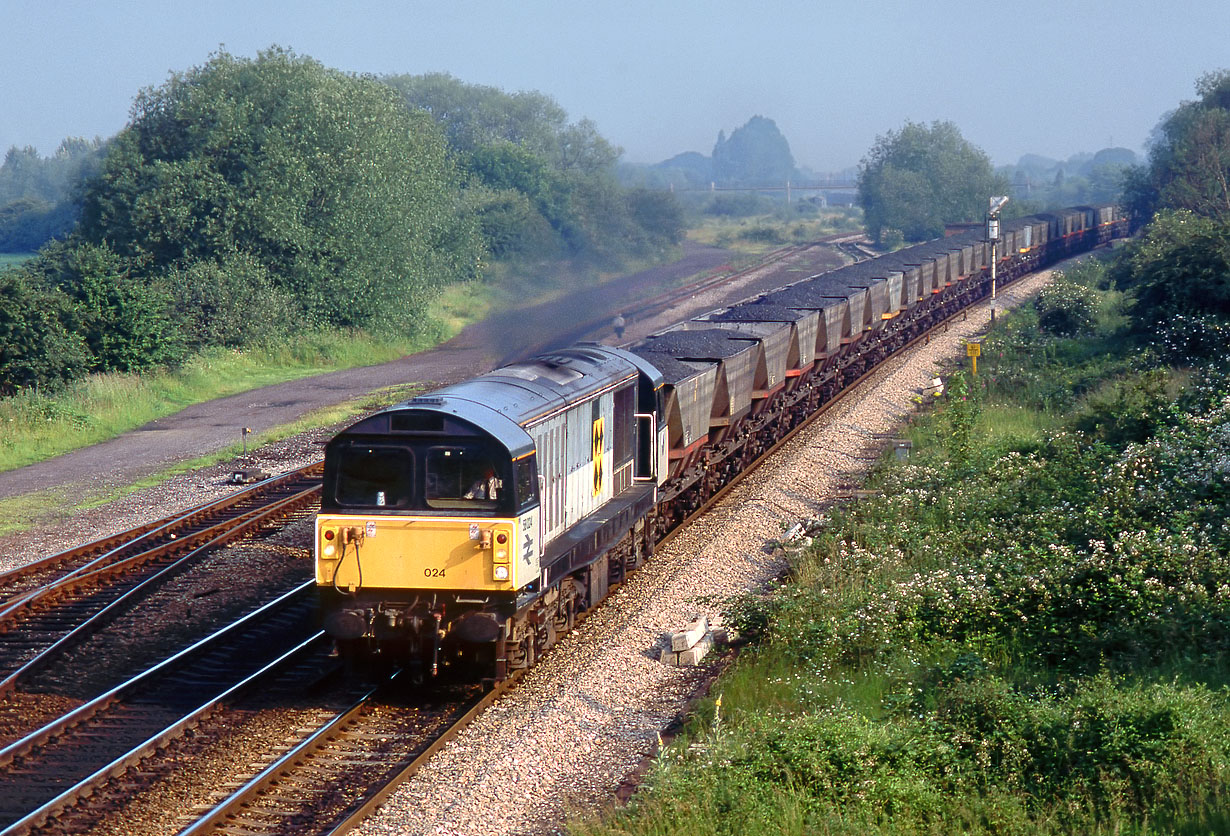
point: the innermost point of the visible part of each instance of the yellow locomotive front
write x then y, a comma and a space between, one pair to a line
428, 532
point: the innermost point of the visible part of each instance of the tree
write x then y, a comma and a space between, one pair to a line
338, 193
1189, 157
38, 346
919, 178
541, 185
474, 116
1181, 266
39, 196
755, 154
125, 322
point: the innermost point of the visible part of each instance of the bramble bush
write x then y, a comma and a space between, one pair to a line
1066, 308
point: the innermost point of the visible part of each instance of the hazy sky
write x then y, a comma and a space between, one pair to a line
1052, 77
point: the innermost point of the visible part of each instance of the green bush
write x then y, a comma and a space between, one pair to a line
1066, 308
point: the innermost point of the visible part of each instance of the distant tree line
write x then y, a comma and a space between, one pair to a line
1179, 269
1040, 183
248, 199
39, 196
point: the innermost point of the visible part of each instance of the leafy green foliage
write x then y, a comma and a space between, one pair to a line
1066, 308
1180, 266
341, 195
919, 178
232, 302
38, 343
125, 321
1189, 157
541, 186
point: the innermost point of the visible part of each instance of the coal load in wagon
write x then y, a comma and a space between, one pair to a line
805, 325
738, 358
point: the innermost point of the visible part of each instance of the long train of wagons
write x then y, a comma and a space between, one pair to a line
462, 531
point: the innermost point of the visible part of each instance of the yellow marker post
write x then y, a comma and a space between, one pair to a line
972, 350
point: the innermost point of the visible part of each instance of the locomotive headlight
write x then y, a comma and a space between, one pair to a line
329, 550
501, 573
501, 554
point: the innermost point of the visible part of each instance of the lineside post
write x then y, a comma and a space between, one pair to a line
996, 204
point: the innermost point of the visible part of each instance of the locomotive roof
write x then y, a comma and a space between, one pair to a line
530, 390
503, 402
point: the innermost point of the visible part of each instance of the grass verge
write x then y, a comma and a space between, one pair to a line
20, 512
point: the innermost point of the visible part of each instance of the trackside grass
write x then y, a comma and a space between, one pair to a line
17, 513
35, 426
1026, 629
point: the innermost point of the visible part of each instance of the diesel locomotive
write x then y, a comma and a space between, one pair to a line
462, 531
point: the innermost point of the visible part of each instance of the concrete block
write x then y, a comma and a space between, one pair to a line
690, 635
696, 652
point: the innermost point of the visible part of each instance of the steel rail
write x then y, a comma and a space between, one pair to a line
229, 532
228, 815
89, 557
21, 751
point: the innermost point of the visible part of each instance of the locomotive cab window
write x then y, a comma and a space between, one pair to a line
463, 478
374, 476
527, 483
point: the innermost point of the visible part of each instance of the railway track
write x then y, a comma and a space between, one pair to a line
54, 604
337, 772
51, 769
345, 769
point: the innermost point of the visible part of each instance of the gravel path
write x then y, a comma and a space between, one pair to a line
584, 718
